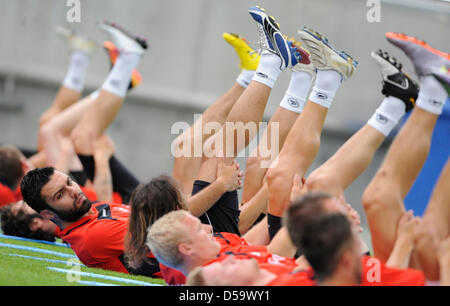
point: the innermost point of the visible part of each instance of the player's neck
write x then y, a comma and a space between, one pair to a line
89, 213
64, 224
189, 265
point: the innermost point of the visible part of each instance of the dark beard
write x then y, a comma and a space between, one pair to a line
74, 215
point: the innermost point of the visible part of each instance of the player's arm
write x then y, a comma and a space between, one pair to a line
228, 179
252, 209
66, 154
404, 245
103, 183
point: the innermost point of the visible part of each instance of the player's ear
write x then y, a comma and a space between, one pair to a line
185, 249
35, 224
47, 214
346, 260
25, 166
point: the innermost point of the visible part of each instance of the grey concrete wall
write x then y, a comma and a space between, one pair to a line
189, 64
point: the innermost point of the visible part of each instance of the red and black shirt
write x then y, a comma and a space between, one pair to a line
234, 245
98, 240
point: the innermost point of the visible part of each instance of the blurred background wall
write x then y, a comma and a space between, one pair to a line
189, 65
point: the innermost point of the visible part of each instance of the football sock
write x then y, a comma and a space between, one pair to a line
295, 97
432, 95
387, 115
76, 73
325, 88
268, 69
119, 77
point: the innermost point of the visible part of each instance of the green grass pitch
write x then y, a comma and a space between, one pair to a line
23, 270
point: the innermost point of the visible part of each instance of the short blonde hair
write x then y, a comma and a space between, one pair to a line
195, 278
164, 237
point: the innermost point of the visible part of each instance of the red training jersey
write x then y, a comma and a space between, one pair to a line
8, 196
98, 239
229, 243
232, 244
374, 273
299, 278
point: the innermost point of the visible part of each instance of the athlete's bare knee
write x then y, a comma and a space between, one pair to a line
278, 182
375, 199
319, 181
273, 176
81, 142
47, 131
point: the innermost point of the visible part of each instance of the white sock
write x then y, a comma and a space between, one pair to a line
432, 95
325, 88
268, 69
245, 77
119, 77
387, 115
295, 97
76, 73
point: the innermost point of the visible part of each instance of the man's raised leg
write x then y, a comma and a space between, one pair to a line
113, 90
435, 221
355, 155
303, 141
383, 198
73, 83
435, 225
244, 119
279, 125
187, 161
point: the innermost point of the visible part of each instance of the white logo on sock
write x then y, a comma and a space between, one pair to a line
321, 95
382, 119
434, 102
115, 83
293, 103
262, 75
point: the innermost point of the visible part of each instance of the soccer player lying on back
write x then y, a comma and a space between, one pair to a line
56, 124
333, 246
94, 231
54, 135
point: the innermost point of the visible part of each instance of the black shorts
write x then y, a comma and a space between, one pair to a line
223, 216
124, 182
274, 224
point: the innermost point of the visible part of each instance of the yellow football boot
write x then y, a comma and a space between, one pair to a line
249, 59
